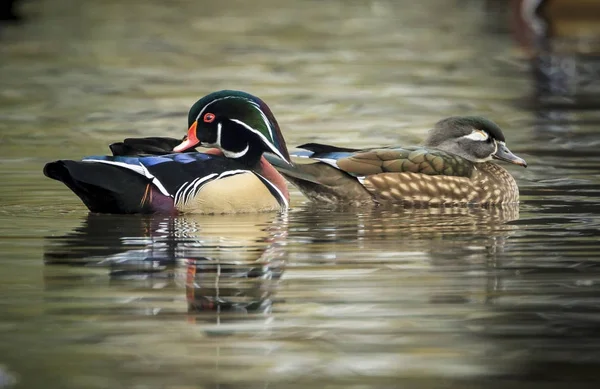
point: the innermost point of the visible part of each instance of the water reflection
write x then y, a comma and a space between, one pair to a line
378, 298
340, 267
234, 263
450, 290
225, 263
432, 240
405, 225
508, 306
562, 41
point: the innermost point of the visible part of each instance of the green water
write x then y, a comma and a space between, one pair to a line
455, 298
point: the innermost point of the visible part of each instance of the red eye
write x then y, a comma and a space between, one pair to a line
209, 117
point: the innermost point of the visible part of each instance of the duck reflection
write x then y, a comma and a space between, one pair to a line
431, 244
225, 262
406, 225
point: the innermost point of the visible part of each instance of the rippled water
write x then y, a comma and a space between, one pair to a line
451, 298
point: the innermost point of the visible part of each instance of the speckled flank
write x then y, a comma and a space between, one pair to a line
489, 184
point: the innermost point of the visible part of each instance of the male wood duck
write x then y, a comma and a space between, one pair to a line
453, 167
231, 179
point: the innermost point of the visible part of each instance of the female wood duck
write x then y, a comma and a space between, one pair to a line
453, 167
234, 178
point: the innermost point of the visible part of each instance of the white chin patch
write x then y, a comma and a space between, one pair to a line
477, 135
234, 154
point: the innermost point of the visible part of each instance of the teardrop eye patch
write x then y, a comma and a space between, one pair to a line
478, 135
208, 117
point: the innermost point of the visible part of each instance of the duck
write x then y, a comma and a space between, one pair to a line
169, 176
453, 167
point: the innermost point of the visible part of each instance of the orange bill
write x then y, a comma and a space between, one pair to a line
190, 141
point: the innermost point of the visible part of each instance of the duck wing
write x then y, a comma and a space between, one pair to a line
149, 184
361, 163
145, 146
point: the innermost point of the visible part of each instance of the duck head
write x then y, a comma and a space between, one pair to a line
239, 124
472, 137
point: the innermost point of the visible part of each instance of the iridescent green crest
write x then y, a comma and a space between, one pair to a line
246, 109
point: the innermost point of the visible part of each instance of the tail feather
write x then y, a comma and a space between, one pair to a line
319, 148
291, 170
104, 188
320, 181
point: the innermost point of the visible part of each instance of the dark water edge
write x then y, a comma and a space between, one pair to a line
385, 297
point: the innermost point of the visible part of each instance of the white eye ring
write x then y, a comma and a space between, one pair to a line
477, 135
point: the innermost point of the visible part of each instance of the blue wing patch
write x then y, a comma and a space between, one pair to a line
151, 161
183, 158
170, 172
191, 157
335, 155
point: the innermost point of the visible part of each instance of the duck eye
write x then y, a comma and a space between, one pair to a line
209, 117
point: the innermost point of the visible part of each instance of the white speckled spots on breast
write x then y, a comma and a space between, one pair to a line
489, 184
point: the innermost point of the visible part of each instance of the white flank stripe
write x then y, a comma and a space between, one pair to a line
285, 201
139, 169
194, 189
185, 195
179, 191
233, 173
188, 191
156, 182
136, 168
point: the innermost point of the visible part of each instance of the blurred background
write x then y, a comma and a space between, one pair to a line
454, 298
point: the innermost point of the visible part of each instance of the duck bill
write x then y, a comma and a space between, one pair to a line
504, 154
190, 141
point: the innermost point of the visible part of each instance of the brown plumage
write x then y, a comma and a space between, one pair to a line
488, 184
453, 168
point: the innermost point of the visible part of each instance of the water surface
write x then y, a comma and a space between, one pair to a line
448, 298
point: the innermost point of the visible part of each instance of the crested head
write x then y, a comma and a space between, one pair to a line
474, 138
238, 123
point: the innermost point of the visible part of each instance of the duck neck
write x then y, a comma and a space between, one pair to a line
495, 184
265, 169
248, 152
253, 159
